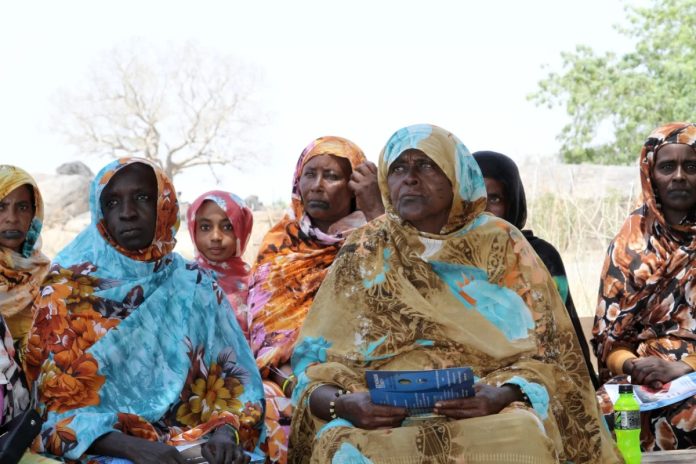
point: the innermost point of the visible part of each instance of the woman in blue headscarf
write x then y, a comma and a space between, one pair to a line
134, 349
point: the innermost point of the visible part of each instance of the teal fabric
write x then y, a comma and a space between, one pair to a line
537, 394
499, 305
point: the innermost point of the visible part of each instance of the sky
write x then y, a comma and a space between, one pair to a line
360, 69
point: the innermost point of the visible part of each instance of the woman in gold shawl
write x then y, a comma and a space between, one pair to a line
437, 283
22, 265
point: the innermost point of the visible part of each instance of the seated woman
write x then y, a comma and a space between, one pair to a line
507, 200
134, 349
334, 190
644, 326
22, 265
435, 284
220, 226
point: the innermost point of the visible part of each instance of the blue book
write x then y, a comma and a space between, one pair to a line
418, 391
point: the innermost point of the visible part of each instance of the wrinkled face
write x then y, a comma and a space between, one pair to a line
129, 206
420, 192
496, 202
16, 213
674, 180
214, 236
324, 189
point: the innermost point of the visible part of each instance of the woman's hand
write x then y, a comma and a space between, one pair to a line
138, 450
152, 452
222, 448
654, 371
488, 400
363, 182
364, 414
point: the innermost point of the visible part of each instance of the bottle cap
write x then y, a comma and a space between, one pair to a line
625, 388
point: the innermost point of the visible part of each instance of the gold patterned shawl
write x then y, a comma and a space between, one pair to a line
475, 295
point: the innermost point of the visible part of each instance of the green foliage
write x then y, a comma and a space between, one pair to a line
632, 93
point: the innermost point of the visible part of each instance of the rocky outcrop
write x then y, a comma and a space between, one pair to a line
66, 193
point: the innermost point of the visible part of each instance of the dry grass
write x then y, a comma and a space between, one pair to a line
581, 229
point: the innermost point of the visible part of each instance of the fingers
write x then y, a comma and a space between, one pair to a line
461, 408
353, 185
364, 172
239, 457
458, 403
208, 454
366, 168
388, 411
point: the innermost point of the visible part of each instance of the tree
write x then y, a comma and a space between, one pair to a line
631, 93
180, 109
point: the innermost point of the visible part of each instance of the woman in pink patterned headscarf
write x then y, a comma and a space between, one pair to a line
220, 226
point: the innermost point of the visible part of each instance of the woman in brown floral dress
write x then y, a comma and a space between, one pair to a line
645, 326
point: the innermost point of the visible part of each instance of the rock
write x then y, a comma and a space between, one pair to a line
74, 168
65, 195
254, 203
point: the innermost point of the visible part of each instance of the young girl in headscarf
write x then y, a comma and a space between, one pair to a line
220, 225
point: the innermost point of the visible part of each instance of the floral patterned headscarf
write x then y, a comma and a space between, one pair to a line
233, 274
452, 156
167, 211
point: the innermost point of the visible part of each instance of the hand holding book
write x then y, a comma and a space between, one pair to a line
486, 401
363, 413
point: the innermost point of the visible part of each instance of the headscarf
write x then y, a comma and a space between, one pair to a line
397, 298
497, 166
503, 169
232, 274
21, 273
648, 287
292, 262
176, 346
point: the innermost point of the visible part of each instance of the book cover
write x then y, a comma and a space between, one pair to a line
418, 391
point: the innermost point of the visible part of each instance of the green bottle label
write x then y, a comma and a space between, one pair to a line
627, 420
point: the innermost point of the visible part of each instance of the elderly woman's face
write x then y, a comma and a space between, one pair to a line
674, 178
420, 192
324, 189
16, 213
129, 206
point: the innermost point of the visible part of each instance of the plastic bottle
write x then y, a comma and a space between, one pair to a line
627, 425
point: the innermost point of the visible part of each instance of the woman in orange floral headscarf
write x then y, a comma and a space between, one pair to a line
645, 325
22, 265
334, 190
134, 349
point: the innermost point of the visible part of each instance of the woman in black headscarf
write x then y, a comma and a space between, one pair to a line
506, 199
